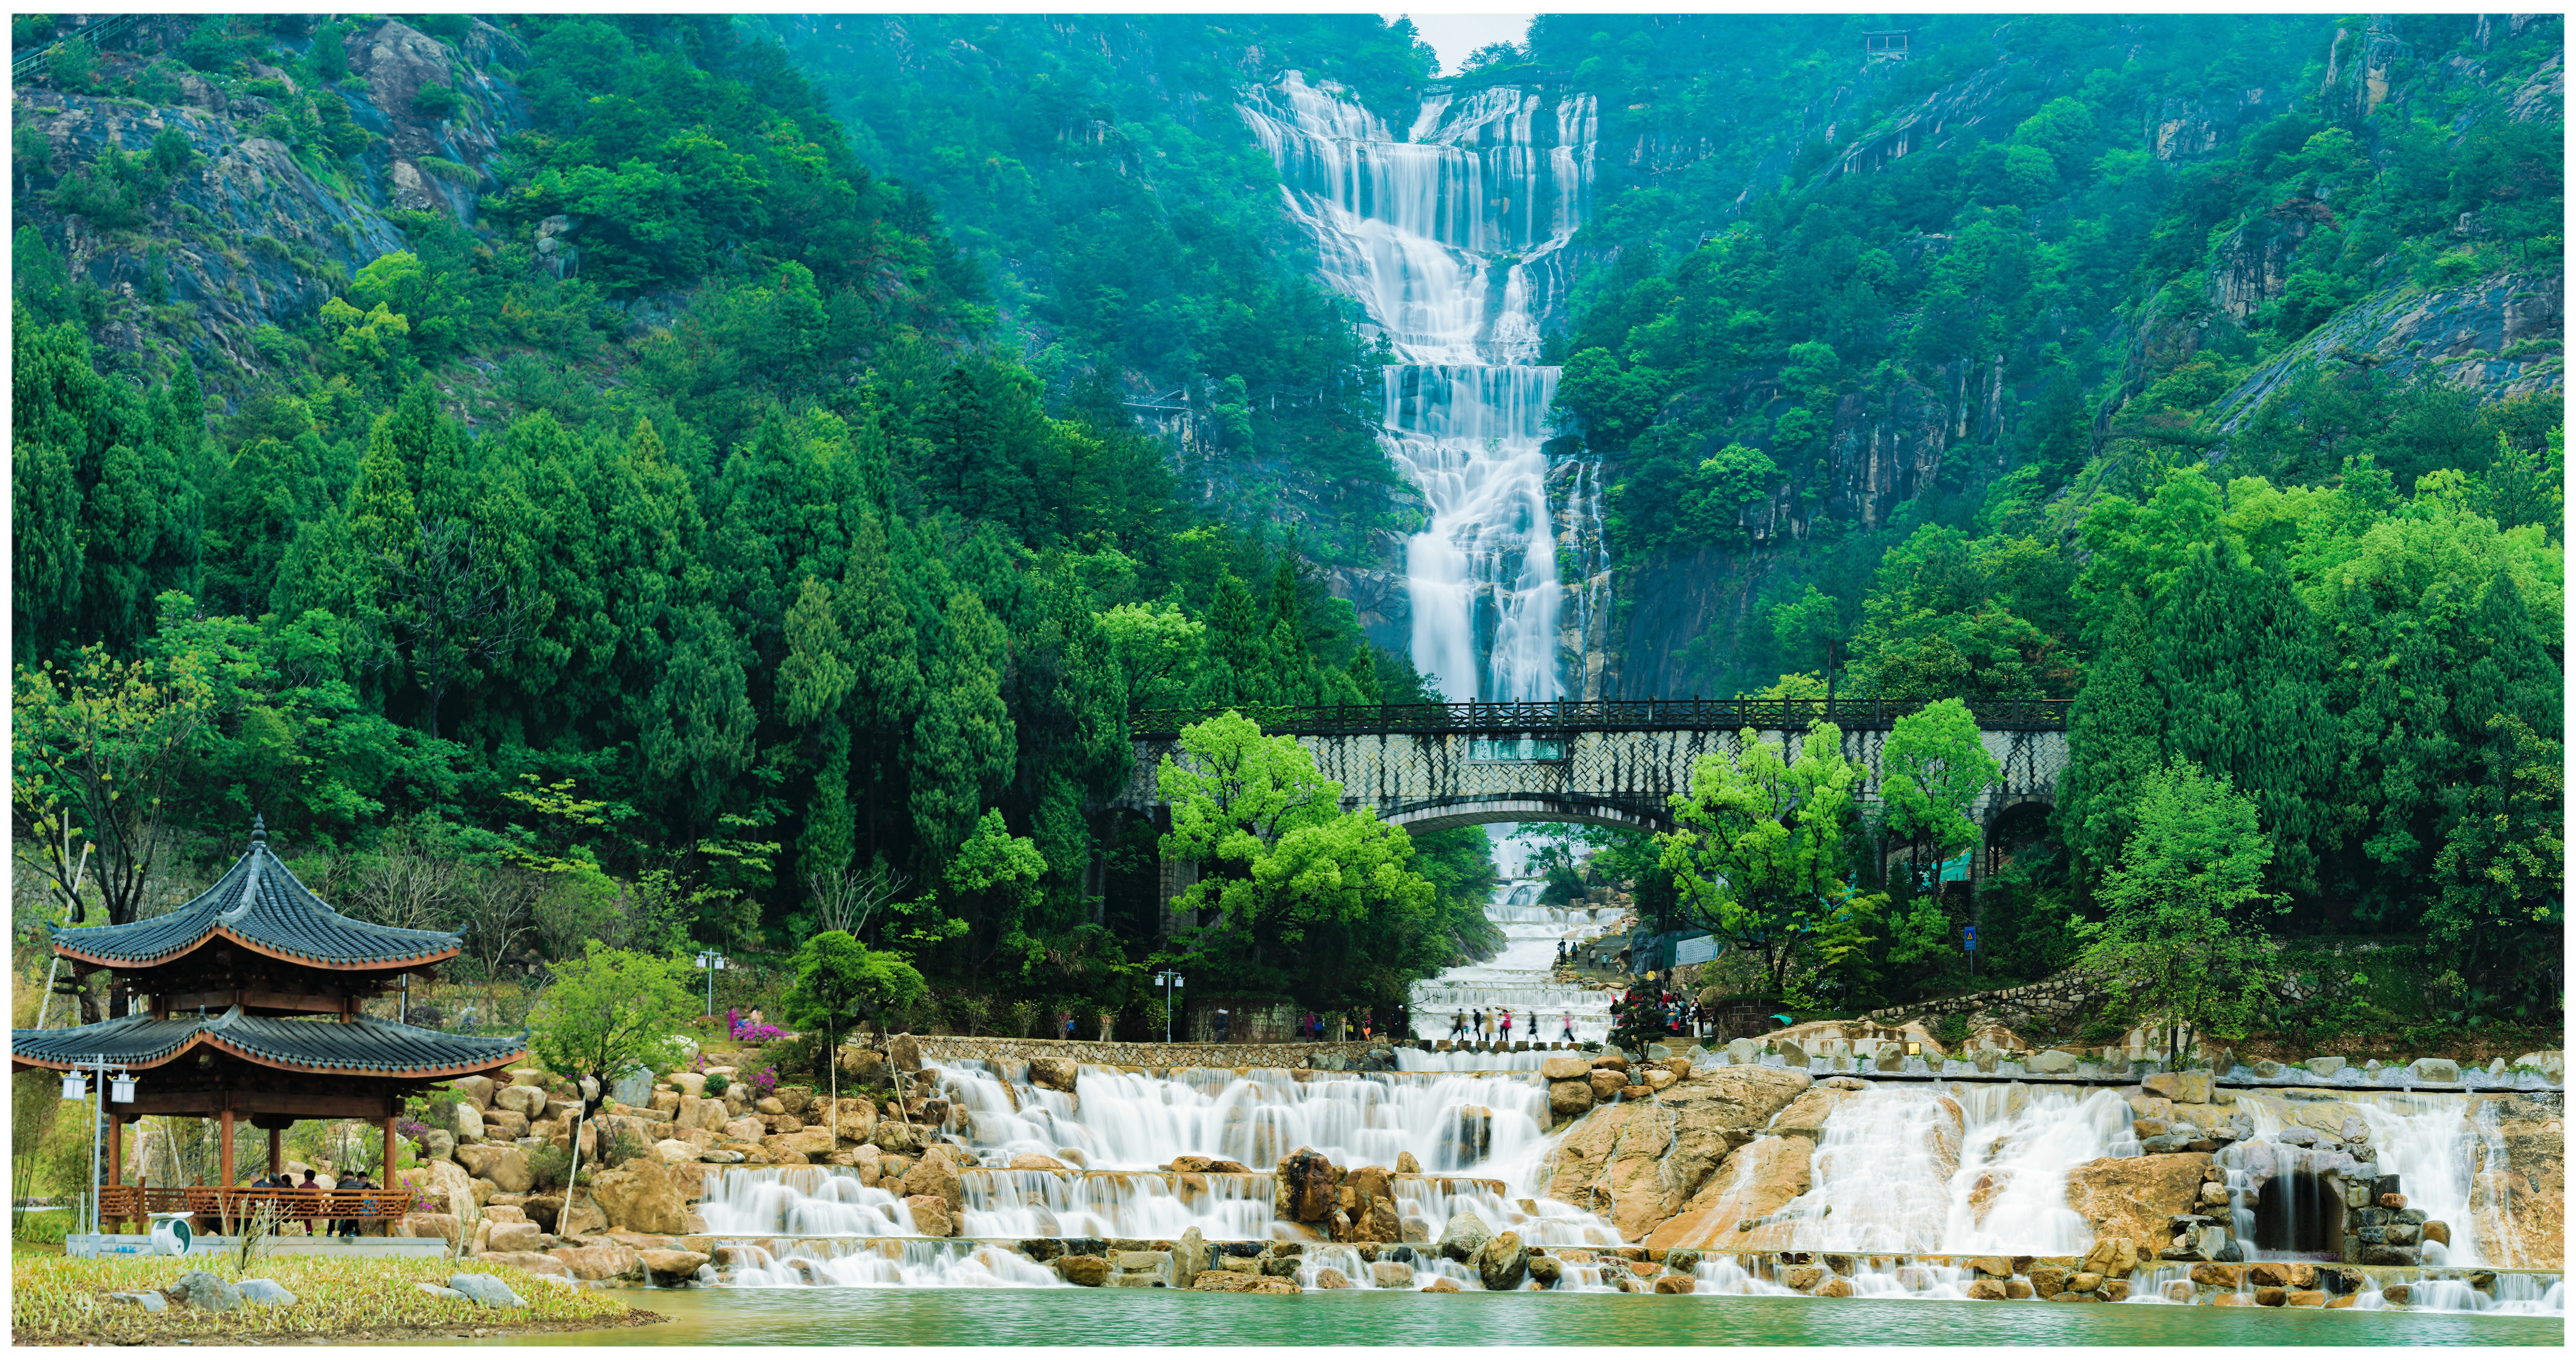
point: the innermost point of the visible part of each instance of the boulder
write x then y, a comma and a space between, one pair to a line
487, 1290
1444, 1285
1569, 1097
1640, 1163
2049, 1281
609, 1260
469, 1122
905, 1053
1757, 1182
1307, 1187
477, 1091
514, 1237
533, 1262
2434, 1069
1565, 1067
1676, 1284
930, 1216
1055, 1074
2551, 1064
203, 1289
524, 1100
640, 1195
2325, 1067
1606, 1084
1391, 1274
1464, 1236
1189, 1257
1502, 1262
1036, 1161
1407, 1165
2053, 1062
427, 1225
935, 1176
2182, 1088
2114, 1257
1238, 1282
503, 1123
671, 1267
1090, 1272
2518, 1179
2133, 1197
506, 1167
697, 1113
1658, 1078
1329, 1278
149, 1300
1987, 1289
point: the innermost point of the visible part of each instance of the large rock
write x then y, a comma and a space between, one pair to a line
515, 1237
501, 1123
2182, 1088
203, 1289
2518, 1179
506, 1167
1391, 1274
1758, 1181
641, 1195
905, 1053
477, 1091
1569, 1097
609, 1260
1565, 1066
469, 1122
1639, 1162
1091, 1272
2132, 1197
442, 1183
671, 1267
2115, 1257
1055, 1074
1308, 1187
935, 1176
743, 1130
525, 1100
696, 1113
487, 1290
2434, 1069
2053, 1062
1189, 1257
1606, 1084
1464, 1236
930, 1216
442, 1226
1503, 1262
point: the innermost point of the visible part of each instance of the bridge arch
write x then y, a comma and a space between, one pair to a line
1441, 815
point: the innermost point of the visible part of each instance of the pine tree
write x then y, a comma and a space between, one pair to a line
2115, 739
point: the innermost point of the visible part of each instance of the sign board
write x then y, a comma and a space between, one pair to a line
1972, 938
1696, 949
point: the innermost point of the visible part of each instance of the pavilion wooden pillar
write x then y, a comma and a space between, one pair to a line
224, 1152
385, 1169
115, 1157
276, 1151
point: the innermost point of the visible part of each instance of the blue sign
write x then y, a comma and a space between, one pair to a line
1972, 939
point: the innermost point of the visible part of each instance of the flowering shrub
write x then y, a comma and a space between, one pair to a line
763, 1082
757, 1034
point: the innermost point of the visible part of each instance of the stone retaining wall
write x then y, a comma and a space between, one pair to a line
2059, 998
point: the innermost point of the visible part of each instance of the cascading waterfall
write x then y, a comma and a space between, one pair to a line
1452, 240
1520, 978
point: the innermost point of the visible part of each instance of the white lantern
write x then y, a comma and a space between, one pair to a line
74, 1088
122, 1089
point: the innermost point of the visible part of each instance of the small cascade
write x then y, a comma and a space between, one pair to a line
2018, 1144
921, 1263
1882, 1173
1519, 979
1449, 1121
801, 1202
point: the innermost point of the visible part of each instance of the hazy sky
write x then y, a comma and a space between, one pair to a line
1456, 35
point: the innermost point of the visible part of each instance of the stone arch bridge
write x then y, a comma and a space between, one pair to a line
1607, 762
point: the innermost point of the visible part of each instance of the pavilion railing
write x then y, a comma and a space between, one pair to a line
212, 1204
1599, 715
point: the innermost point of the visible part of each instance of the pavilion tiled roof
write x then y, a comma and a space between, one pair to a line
363, 1047
260, 905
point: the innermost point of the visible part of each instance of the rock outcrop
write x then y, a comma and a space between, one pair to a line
1639, 1162
2518, 1185
2134, 1197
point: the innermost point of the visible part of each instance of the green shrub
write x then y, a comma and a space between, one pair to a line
436, 101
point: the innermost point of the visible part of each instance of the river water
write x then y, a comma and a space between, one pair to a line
1151, 1317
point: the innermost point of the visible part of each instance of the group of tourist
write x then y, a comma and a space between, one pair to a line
344, 1227
1676, 1015
1483, 1025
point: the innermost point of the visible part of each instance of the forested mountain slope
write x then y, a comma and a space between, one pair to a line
545, 451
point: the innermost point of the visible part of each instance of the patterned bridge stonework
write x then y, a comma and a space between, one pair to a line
1614, 763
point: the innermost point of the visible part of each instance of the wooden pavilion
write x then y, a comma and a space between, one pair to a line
245, 1004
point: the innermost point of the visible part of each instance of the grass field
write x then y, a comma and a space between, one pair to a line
56, 1300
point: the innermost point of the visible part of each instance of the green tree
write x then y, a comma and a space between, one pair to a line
606, 1014
1932, 769
1758, 851
2501, 871
839, 981
2182, 942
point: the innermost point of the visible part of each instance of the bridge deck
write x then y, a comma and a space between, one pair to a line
1596, 715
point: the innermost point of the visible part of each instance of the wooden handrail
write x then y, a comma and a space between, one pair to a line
211, 1202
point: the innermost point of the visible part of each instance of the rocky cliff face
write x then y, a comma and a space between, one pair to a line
258, 232
2501, 336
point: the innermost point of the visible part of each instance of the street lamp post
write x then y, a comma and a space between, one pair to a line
711, 963
76, 1087
1167, 981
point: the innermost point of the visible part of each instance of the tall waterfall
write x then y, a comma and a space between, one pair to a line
1452, 240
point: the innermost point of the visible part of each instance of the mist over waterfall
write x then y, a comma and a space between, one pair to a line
1452, 240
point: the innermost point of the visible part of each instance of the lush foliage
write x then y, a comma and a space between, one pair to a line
608, 1013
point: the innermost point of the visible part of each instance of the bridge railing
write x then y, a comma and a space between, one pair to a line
1597, 715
